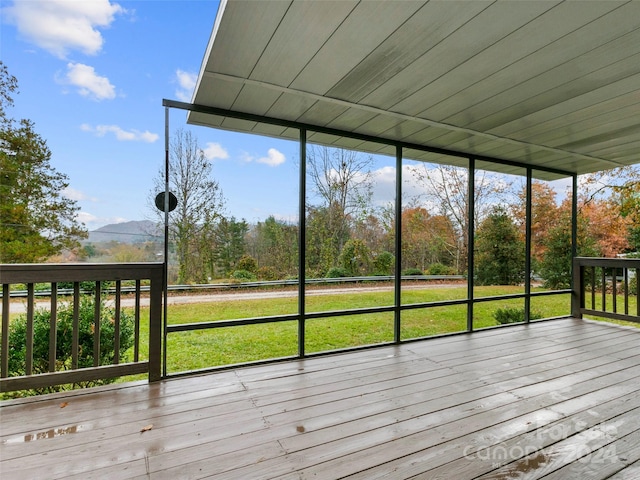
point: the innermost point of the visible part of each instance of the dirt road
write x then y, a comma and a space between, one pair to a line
20, 306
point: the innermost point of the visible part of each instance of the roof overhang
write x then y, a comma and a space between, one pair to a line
547, 84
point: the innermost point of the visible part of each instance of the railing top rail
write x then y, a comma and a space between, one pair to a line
608, 262
77, 272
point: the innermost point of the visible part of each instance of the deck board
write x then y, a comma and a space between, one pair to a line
439, 409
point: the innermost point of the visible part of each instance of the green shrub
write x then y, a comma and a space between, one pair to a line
86, 287
267, 273
440, 269
243, 276
384, 263
355, 258
513, 315
413, 271
247, 263
64, 333
337, 272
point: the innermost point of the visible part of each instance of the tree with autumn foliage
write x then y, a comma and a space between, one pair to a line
544, 214
606, 226
611, 201
427, 239
447, 187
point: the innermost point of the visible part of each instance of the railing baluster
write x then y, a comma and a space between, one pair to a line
53, 327
604, 289
614, 288
28, 367
4, 367
638, 292
116, 327
625, 275
75, 336
593, 288
136, 343
97, 315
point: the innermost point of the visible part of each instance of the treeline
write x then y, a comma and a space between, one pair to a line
346, 235
342, 245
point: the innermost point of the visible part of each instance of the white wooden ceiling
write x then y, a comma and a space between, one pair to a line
544, 83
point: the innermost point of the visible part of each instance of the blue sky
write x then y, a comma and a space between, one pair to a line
92, 76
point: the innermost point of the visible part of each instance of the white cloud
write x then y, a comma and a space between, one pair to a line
89, 83
92, 221
215, 150
60, 26
86, 218
77, 195
186, 84
246, 158
273, 158
120, 134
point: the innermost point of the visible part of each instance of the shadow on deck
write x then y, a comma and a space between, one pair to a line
556, 399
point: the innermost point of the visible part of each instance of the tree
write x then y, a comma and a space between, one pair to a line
342, 179
606, 226
618, 192
500, 251
323, 243
355, 258
200, 205
629, 200
426, 239
556, 266
274, 244
447, 188
36, 219
544, 214
229, 238
373, 233
627, 197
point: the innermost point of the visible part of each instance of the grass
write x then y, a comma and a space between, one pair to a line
230, 345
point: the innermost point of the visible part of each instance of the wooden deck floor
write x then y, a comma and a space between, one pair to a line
553, 400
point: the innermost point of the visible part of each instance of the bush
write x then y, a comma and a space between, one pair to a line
355, 258
248, 263
513, 315
336, 272
412, 271
86, 287
64, 332
384, 263
267, 273
440, 269
243, 276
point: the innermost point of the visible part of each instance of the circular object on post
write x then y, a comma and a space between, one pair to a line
173, 202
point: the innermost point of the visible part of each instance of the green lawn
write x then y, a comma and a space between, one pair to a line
230, 345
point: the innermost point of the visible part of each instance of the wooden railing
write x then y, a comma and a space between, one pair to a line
57, 372
606, 287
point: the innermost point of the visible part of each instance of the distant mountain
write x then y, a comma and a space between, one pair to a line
136, 231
